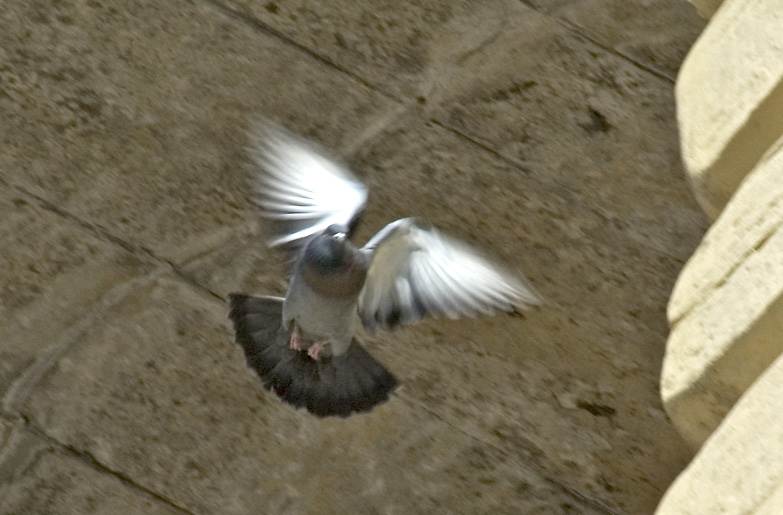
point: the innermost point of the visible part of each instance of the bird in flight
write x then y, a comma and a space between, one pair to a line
305, 346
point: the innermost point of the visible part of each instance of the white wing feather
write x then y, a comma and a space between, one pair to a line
418, 271
301, 188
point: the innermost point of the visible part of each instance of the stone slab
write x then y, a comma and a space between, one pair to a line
655, 33
729, 96
52, 273
395, 46
581, 119
740, 467
400, 47
726, 307
159, 393
584, 368
57, 483
135, 118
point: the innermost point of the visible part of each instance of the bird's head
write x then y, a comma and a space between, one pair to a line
329, 251
332, 266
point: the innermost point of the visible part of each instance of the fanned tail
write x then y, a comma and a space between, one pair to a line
330, 386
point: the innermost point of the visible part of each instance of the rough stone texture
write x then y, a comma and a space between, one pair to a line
19, 449
609, 120
729, 97
195, 426
128, 115
399, 46
59, 484
633, 29
496, 121
727, 308
392, 45
52, 272
738, 470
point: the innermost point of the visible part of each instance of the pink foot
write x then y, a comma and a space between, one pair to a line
296, 339
314, 350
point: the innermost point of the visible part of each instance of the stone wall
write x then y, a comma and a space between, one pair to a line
540, 130
721, 380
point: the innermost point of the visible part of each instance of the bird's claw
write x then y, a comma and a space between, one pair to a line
314, 350
296, 339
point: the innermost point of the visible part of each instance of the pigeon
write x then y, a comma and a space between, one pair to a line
305, 347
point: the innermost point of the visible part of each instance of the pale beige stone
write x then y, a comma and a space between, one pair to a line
729, 98
754, 213
727, 307
706, 8
740, 468
774, 503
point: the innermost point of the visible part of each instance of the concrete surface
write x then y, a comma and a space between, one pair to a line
738, 470
521, 127
729, 98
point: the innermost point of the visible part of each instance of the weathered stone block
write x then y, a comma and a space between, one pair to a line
654, 33
739, 469
729, 98
580, 119
58, 483
52, 272
136, 117
727, 307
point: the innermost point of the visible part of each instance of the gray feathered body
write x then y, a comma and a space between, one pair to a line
324, 291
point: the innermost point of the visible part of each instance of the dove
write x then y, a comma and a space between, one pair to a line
306, 347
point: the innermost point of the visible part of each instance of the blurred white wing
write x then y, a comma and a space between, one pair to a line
301, 188
417, 271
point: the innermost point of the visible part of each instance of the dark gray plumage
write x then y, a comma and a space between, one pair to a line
337, 385
303, 347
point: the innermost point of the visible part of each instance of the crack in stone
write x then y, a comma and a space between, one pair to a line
92, 462
264, 28
580, 33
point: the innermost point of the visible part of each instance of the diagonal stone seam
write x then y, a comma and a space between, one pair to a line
267, 29
138, 251
95, 464
583, 35
520, 166
541, 471
21, 452
20, 389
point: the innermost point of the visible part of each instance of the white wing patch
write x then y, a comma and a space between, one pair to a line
301, 188
418, 271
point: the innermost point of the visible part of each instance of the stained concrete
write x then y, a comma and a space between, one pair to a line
519, 127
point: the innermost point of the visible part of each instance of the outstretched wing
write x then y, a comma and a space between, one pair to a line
418, 271
300, 188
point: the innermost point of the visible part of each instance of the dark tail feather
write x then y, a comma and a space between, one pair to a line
330, 386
